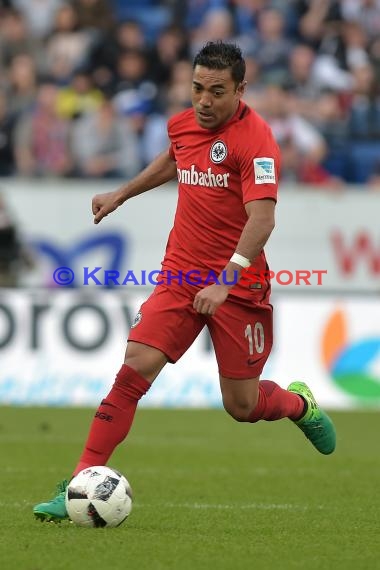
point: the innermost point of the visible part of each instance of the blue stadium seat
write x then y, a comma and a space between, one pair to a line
365, 160
151, 16
337, 162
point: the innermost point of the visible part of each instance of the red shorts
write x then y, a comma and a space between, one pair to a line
241, 330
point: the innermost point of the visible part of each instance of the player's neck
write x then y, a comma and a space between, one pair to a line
231, 117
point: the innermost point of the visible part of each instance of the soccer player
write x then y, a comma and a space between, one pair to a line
227, 165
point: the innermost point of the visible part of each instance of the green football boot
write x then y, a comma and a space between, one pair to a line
315, 424
54, 510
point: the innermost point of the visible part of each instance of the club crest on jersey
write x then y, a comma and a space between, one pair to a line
218, 152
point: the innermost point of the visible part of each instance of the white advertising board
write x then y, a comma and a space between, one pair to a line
322, 242
64, 347
333, 343
337, 233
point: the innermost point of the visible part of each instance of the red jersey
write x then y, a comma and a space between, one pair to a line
218, 172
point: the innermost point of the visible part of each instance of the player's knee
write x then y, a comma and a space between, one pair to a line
239, 411
145, 369
145, 360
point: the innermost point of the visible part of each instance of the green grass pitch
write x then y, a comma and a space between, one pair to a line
209, 494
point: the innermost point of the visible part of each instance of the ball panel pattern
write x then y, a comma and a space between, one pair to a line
99, 497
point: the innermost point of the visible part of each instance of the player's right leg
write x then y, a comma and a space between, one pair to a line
166, 327
113, 419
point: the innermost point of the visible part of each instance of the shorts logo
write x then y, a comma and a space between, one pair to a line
264, 170
137, 320
218, 152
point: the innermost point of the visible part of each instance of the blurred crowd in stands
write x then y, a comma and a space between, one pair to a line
87, 86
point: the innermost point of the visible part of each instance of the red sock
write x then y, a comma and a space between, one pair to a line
275, 403
113, 418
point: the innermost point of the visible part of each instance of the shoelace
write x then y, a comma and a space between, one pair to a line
311, 425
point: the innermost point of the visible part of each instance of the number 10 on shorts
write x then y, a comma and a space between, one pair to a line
256, 339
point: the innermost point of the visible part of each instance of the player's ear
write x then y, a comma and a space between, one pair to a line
241, 88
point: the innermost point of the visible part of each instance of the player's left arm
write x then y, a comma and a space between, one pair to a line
255, 234
259, 226
259, 172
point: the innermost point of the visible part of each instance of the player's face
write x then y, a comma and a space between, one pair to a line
215, 96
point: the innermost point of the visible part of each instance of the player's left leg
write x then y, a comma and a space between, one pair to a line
242, 337
251, 400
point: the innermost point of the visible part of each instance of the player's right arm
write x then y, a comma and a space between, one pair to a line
162, 169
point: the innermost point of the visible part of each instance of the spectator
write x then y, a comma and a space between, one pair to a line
42, 138
326, 53
14, 255
152, 15
133, 82
365, 106
104, 56
374, 54
197, 10
104, 145
317, 19
301, 80
22, 84
170, 47
15, 40
79, 97
303, 147
355, 45
217, 24
374, 179
94, 15
364, 12
39, 15
246, 14
271, 47
68, 47
6, 138
364, 124
331, 120
179, 85
324, 108
154, 137
130, 36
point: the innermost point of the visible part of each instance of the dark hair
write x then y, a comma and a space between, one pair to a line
220, 55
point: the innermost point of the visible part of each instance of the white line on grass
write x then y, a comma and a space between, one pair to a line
221, 506
200, 506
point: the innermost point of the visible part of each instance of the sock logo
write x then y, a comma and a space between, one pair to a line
103, 416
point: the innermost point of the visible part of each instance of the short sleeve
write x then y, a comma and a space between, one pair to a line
171, 151
260, 169
170, 135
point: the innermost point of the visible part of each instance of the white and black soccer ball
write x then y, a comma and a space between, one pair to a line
98, 497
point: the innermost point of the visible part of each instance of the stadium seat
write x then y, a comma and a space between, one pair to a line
364, 160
